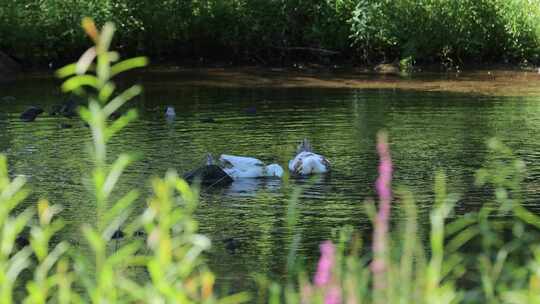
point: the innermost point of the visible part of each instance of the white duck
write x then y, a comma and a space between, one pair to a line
306, 162
248, 167
170, 113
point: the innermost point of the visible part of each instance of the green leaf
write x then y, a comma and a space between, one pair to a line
11, 229
113, 56
242, 297
121, 205
128, 64
106, 92
527, 216
124, 254
79, 81
19, 262
120, 123
85, 114
105, 37
121, 99
115, 224
44, 268
116, 171
94, 239
66, 71
85, 61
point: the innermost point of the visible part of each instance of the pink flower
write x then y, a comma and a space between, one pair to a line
333, 295
324, 269
383, 186
385, 174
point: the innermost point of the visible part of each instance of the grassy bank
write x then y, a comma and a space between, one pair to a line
446, 32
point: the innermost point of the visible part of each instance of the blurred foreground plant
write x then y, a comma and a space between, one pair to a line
478, 257
175, 268
167, 268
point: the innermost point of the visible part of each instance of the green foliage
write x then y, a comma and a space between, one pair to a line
448, 31
445, 31
488, 256
105, 269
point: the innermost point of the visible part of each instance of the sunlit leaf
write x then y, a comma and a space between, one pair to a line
13, 228
85, 61
106, 36
106, 92
85, 114
66, 71
124, 253
93, 239
121, 99
128, 64
241, 297
19, 262
115, 172
120, 123
50, 260
123, 203
115, 224
79, 81
113, 56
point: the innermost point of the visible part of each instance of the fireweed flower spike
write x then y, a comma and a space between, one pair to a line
333, 295
324, 269
323, 277
383, 186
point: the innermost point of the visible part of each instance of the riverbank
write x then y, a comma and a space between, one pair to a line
494, 81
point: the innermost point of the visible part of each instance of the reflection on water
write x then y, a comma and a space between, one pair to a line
252, 186
428, 132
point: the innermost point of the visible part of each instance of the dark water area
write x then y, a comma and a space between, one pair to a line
428, 131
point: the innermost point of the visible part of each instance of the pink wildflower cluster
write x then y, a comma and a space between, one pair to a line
324, 269
383, 186
324, 281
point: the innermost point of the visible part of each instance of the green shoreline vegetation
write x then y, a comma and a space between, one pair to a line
488, 256
281, 32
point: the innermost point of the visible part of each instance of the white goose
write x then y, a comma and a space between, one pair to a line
306, 162
248, 167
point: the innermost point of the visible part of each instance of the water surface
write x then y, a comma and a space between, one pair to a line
428, 131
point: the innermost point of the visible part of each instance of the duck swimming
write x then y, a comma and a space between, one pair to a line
170, 113
248, 167
210, 174
306, 162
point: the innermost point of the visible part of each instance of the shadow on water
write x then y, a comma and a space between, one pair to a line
429, 131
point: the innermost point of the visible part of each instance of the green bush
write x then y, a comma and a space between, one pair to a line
444, 31
448, 31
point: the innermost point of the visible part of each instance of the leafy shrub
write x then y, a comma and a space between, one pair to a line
444, 31
448, 31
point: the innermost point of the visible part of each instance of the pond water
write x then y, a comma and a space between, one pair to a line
428, 131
